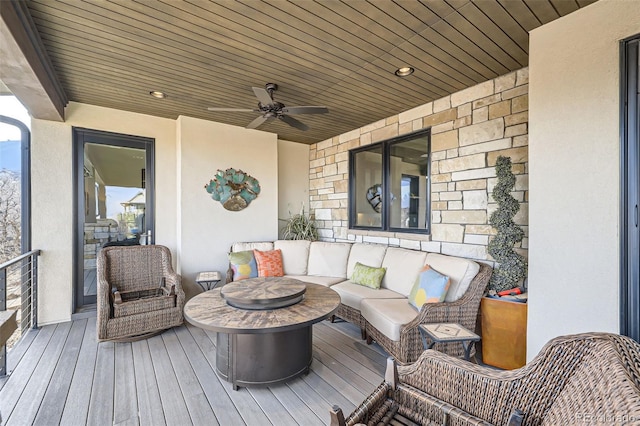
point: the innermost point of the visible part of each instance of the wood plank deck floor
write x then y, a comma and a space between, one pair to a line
61, 375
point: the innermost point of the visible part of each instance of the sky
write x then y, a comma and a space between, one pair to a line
11, 107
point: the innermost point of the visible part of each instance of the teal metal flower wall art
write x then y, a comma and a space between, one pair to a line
234, 189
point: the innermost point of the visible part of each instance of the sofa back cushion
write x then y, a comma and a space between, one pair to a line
366, 254
328, 259
260, 245
460, 270
403, 266
295, 255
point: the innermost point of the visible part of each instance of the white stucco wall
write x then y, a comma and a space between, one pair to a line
293, 179
574, 182
207, 230
52, 193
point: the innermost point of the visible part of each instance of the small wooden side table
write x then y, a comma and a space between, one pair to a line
448, 332
209, 280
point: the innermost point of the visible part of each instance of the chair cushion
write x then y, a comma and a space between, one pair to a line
143, 305
388, 315
328, 259
367, 276
403, 266
260, 245
325, 281
353, 294
243, 264
430, 287
295, 255
269, 263
367, 254
461, 271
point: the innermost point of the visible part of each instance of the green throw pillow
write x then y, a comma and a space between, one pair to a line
367, 275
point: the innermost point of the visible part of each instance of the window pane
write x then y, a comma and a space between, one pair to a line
368, 187
409, 166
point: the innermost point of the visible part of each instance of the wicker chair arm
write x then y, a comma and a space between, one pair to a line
461, 311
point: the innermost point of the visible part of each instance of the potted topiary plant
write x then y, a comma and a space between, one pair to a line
504, 323
300, 227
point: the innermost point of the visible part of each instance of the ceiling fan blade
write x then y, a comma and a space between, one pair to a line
263, 96
232, 109
305, 110
258, 121
294, 123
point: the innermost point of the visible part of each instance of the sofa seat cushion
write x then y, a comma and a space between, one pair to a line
325, 281
367, 254
328, 259
295, 255
353, 294
461, 271
388, 315
403, 266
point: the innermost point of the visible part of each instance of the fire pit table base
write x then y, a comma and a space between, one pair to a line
265, 358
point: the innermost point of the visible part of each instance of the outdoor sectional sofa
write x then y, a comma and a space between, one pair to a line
384, 314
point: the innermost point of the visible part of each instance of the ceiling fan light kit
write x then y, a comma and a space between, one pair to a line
271, 109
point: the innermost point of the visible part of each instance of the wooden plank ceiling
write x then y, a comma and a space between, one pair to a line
341, 54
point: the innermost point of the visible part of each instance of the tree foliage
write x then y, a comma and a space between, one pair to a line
512, 267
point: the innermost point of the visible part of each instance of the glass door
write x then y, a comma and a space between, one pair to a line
114, 198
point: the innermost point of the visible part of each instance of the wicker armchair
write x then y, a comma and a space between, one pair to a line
138, 292
589, 378
463, 311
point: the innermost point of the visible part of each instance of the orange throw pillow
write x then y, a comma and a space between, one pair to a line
269, 263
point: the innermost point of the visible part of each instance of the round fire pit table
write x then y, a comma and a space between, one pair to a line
264, 327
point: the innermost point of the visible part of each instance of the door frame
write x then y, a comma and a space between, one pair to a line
80, 137
630, 189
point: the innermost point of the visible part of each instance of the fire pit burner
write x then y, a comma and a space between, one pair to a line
262, 295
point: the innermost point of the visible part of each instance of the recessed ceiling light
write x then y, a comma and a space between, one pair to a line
157, 94
404, 71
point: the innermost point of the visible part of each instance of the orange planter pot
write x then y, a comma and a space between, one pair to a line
504, 333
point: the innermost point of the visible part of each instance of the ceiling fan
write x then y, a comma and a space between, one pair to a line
271, 109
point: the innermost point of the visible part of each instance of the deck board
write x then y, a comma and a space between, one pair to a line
61, 375
76, 408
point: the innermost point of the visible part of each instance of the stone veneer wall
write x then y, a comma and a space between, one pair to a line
469, 130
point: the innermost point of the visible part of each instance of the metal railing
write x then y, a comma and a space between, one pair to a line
19, 292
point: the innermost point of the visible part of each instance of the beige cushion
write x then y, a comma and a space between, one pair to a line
352, 294
328, 259
325, 281
388, 315
461, 271
367, 254
261, 245
403, 266
295, 255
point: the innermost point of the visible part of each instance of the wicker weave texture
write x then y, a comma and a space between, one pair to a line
351, 315
589, 378
137, 269
463, 311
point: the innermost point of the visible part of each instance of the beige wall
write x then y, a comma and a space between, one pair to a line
52, 193
207, 229
293, 179
574, 168
470, 129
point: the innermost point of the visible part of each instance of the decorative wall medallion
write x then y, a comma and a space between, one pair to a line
234, 189
374, 197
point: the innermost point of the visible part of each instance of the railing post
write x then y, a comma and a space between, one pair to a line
3, 307
34, 291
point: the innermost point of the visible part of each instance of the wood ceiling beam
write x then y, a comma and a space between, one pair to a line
25, 67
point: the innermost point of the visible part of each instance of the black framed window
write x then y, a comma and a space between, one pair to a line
389, 185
